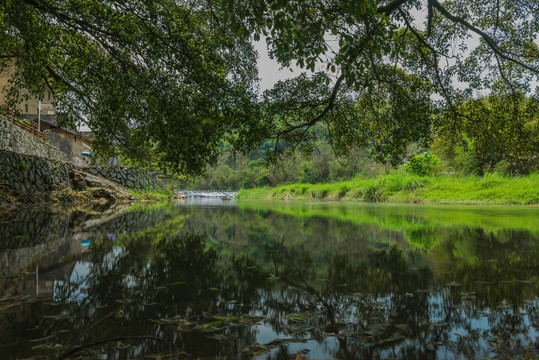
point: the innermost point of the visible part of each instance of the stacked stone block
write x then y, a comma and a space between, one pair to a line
14, 139
131, 178
27, 173
29, 164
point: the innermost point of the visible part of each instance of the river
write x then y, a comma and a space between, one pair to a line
208, 278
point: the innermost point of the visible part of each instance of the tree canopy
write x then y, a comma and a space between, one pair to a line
400, 62
178, 77
161, 75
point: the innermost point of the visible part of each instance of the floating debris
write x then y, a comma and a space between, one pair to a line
59, 317
42, 339
164, 356
124, 301
47, 346
440, 324
468, 295
121, 346
222, 337
211, 326
296, 317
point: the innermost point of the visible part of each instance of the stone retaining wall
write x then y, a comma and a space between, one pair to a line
17, 140
27, 173
131, 178
31, 227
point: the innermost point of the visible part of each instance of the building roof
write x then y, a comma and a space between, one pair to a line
52, 121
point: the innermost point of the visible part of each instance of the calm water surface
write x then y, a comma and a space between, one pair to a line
213, 279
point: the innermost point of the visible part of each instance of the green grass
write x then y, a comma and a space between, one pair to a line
401, 187
151, 195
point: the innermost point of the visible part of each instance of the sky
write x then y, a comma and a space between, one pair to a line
269, 71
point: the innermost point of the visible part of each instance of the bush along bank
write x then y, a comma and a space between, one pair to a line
404, 187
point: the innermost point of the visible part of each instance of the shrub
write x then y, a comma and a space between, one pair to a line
264, 181
422, 165
303, 188
343, 189
372, 194
502, 167
413, 184
466, 160
307, 172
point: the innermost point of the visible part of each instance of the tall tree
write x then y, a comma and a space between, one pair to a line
179, 75
410, 64
167, 75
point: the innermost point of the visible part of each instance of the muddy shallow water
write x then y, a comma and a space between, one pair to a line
215, 279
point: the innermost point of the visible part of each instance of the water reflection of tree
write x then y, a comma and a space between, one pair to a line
179, 279
432, 311
368, 305
498, 268
180, 276
388, 303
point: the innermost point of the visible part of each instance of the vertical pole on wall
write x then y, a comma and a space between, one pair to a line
39, 116
37, 280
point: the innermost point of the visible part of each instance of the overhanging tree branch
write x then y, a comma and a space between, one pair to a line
307, 125
489, 40
392, 6
330, 102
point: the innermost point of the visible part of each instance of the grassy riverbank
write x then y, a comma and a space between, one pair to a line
401, 187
